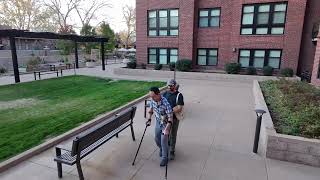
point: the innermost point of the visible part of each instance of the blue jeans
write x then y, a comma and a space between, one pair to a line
161, 140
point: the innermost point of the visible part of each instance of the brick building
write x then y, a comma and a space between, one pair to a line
212, 33
316, 65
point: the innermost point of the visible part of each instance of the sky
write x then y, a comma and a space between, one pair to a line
112, 15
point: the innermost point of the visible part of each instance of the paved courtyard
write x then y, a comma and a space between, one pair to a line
214, 142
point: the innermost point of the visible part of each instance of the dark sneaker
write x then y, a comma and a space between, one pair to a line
163, 162
172, 156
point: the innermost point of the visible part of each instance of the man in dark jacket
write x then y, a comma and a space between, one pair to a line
175, 99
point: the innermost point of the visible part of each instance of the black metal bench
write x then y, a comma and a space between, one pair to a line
39, 73
93, 138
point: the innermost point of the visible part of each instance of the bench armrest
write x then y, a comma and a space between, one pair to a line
61, 147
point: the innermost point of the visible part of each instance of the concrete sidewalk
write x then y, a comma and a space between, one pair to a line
214, 142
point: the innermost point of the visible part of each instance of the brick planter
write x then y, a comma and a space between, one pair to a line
284, 147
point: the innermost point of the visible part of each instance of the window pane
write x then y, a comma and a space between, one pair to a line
244, 62
152, 59
259, 53
246, 31
152, 33
262, 31
174, 32
202, 52
202, 60
248, 9
245, 53
163, 59
174, 51
204, 13
163, 51
173, 59
279, 17
174, 12
163, 22
263, 18
163, 13
152, 14
264, 8
214, 22
213, 61
153, 22
277, 30
163, 33
215, 12
153, 51
258, 62
274, 62
247, 19
203, 22
280, 7
213, 52
163, 56
275, 54
174, 22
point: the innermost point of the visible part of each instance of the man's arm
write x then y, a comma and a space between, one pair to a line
169, 113
178, 108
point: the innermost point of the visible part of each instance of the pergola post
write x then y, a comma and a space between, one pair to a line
76, 54
102, 56
14, 59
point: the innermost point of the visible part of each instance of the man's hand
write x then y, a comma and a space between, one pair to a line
148, 123
166, 130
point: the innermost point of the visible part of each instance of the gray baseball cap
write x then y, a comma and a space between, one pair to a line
171, 82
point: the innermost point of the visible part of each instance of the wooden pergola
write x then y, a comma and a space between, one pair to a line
12, 34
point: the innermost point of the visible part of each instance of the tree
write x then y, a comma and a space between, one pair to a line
88, 30
26, 15
87, 13
62, 11
129, 15
105, 31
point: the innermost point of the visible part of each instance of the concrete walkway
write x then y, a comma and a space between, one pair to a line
214, 142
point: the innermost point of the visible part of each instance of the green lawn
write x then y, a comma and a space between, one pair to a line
36, 111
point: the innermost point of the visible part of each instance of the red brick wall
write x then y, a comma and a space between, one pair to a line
224, 38
316, 64
308, 48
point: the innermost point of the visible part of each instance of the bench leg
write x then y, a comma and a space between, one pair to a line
132, 133
59, 166
80, 171
117, 135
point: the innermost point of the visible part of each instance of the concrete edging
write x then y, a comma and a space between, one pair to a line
283, 147
52, 142
193, 75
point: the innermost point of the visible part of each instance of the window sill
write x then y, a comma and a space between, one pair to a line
163, 36
262, 35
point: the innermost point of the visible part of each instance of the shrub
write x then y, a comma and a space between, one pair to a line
286, 72
3, 70
157, 66
131, 65
34, 61
172, 66
232, 68
251, 71
184, 65
143, 66
267, 71
294, 106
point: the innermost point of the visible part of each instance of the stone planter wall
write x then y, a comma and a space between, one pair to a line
284, 147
